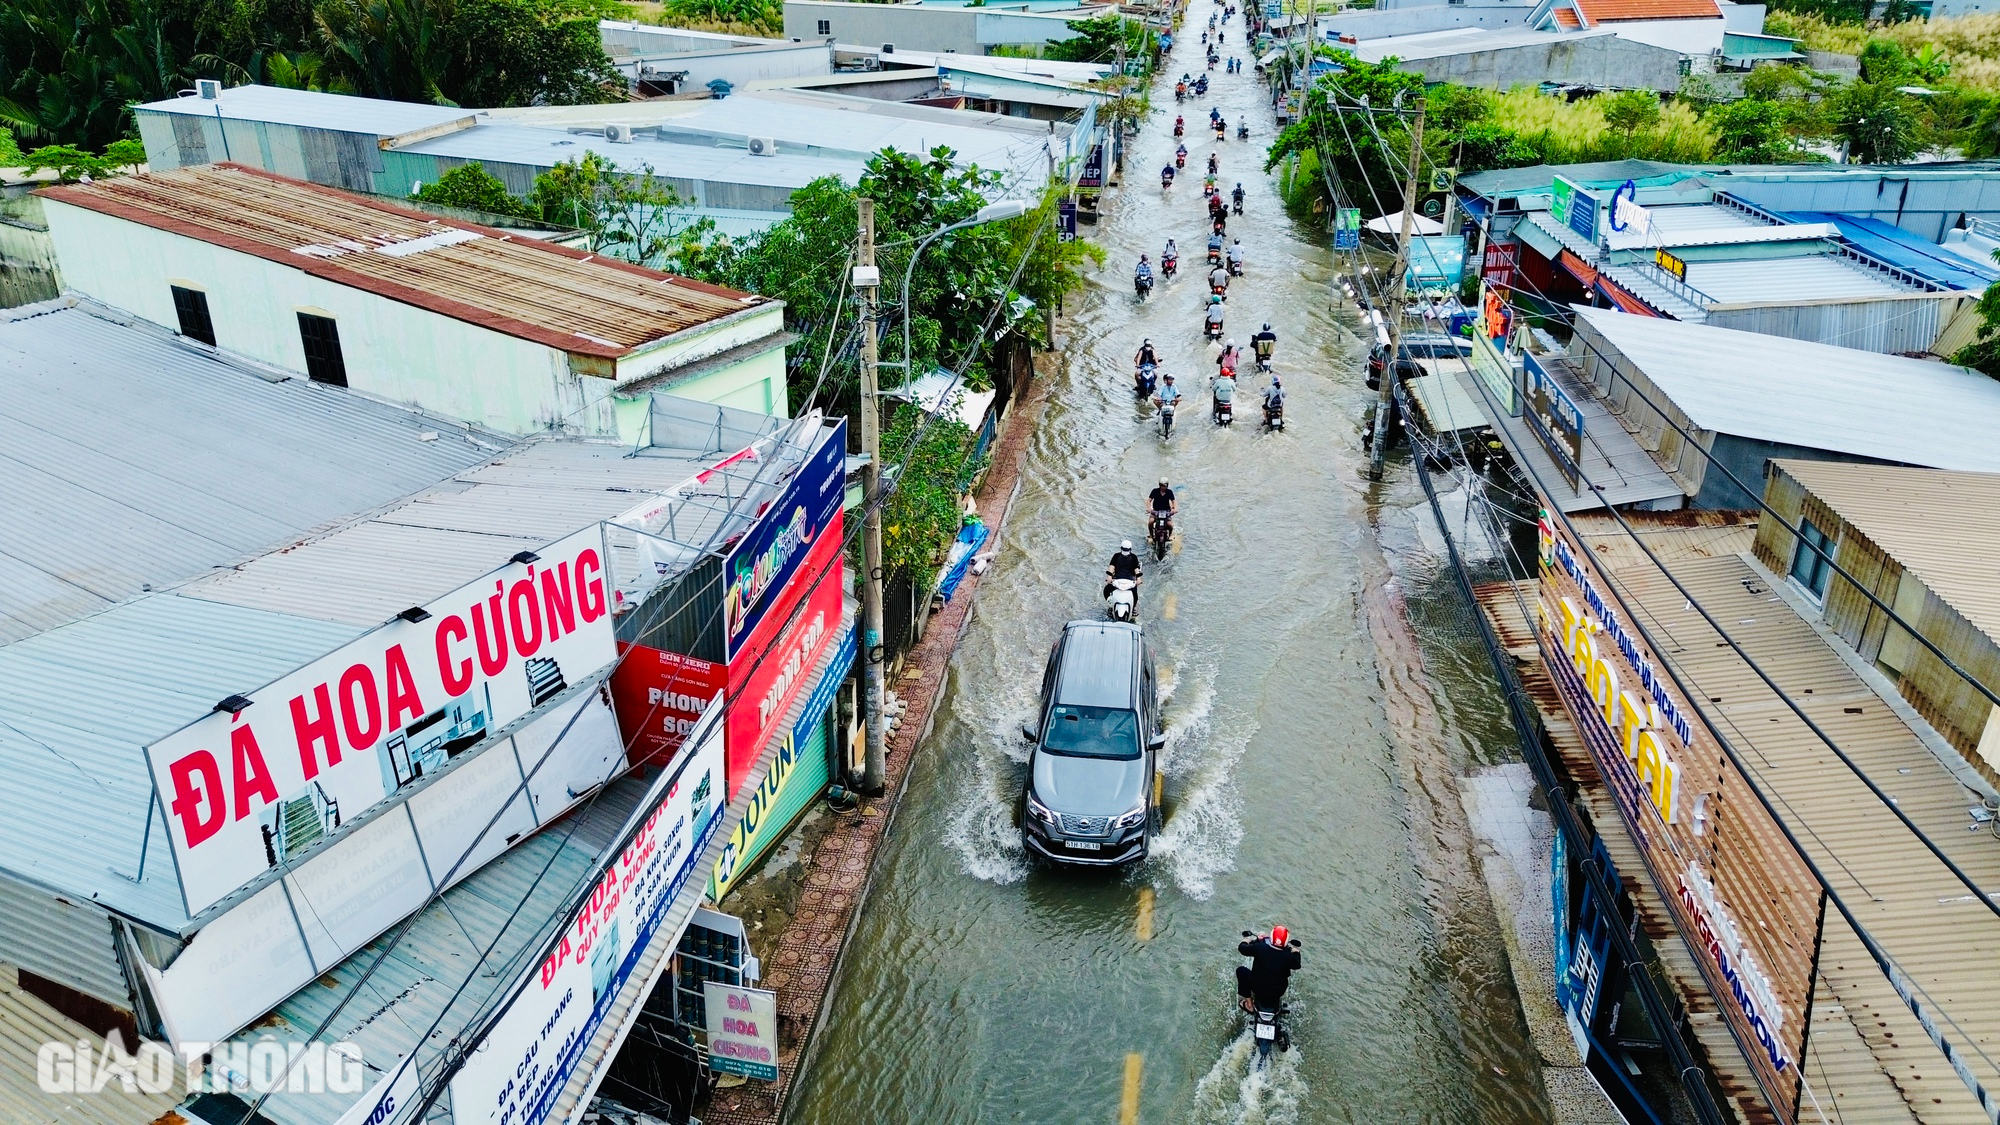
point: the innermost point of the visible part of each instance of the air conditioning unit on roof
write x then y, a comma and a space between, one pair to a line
763, 146
620, 134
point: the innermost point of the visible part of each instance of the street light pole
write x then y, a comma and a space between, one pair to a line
867, 280
1394, 313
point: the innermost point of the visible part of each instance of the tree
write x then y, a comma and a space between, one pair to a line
1752, 132
1332, 114
1984, 351
634, 216
472, 187
1630, 111
71, 163
1876, 123
1097, 40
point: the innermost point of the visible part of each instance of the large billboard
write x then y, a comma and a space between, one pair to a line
528, 1056
1747, 905
302, 759
661, 696
763, 684
760, 565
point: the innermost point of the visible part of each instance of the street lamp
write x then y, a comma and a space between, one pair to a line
991, 213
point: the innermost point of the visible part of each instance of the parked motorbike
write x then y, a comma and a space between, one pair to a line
1160, 533
1122, 605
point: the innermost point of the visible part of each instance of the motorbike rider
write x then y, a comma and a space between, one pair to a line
1218, 280
1236, 197
1273, 959
1264, 342
1162, 505
1225, 390
1180, 156
1168, 394
1242, 123
1144, 272
1215, 246
1146, 354
1236, 255
1274, 398
1227, 361
1215, 313
1214, 163
1124, 564
1170, 257
1180, 123
1167, 176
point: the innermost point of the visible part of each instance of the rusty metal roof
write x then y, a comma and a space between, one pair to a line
1924, 918
1937, 523
579, 302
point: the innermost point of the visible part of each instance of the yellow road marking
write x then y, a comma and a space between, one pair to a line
1128, 1106
1171, 606
1145, 914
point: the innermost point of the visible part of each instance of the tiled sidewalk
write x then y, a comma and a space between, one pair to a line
801, 968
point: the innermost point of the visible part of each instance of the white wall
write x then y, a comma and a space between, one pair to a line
392, 350
1689, 37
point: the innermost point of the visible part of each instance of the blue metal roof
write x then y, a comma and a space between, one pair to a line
82, 702
1900, 248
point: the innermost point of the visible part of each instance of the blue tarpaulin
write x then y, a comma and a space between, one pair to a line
1903, 250
960, 559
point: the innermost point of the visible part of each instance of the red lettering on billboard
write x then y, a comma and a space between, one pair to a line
589, 591
403, 699
249, 777
197, 795
558, 603
457, 675
524, 614
360, 706
659, 697
314, 730
492, 657
771, 670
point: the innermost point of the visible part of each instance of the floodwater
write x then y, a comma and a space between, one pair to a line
1324, 687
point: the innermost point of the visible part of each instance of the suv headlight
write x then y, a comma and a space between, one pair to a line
1041, 811
1135, 817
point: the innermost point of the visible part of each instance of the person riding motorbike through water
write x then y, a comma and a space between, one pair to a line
1124, 564
1218, 280
1215, 313
1180, 123
1273, 960
1168, 394
1170, 257
1215, 245
1236, 196
1144, 270
1167, 176
1274, 398
1214, 163
1162, 505
1264, 342
1221, 224
1180, 156
1236, 255
1145, 354
1225, 390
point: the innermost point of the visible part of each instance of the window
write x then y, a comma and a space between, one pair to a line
1092, 732
1809, 565
322, 339
826, 27
191, 305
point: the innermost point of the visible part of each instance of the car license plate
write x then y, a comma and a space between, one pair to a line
1083, 845
1267, 1031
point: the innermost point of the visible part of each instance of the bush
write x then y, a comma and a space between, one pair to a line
472, 187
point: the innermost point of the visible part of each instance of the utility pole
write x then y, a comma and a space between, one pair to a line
867, 278
1394, 312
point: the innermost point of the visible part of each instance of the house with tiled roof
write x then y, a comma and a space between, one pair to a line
1692, 27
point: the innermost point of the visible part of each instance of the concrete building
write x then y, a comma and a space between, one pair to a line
1909, 534
669, 60
1503, 59
966, 29
511, 334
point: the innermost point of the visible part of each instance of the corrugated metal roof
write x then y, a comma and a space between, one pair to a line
1940, 525
134, 458
83, 700
545, 148
1815, 396
521, 287
1922, 916
1536, 179
1780, 281
310, 109
25, 1024
1465, 41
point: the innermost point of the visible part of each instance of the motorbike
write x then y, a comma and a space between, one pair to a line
1219, 290
1243, 130
1180, 128
1160, 533
1180, 95
1222, 132
1180, 160
1122, 604
1215, 255
1169, 267
1213, 331
1142, 284
1225, 413
1236, 204
1274, 417
1144, 382
1263, 350
1236, 267
1166, 183
1212, 60
1268, 1028
1166, 420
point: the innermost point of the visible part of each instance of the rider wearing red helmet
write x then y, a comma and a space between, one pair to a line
1273, 959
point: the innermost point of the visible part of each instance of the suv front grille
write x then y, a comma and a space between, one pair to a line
1086, 825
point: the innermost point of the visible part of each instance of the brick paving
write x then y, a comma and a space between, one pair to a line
802, 967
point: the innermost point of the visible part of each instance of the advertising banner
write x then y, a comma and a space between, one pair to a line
1347, 228
515, 1074
761, 689
742, 1030
660, 697
1066, 221
1692, 815
1093, 168
313, 751
1556, 419
1496, 371
1498, 267
798, 776
759, 568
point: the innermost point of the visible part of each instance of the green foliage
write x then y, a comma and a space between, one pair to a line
1984, 351
10, 150
1097, 40
753, 17
1757, 132
1331, 122
71, 163
637, 217
1876, 122
70, 69
1829, 11
1629, 111
473, 188
922, 514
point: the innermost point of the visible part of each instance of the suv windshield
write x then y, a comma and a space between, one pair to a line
1092, 732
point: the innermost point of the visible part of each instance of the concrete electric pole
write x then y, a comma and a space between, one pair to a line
1394, 312
867, 279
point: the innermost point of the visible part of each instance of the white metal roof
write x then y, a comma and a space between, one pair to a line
1463, 41
1779, 281
1815, 396
134, 459
545, 148
312, 109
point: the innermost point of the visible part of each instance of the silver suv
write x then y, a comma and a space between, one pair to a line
1093, 793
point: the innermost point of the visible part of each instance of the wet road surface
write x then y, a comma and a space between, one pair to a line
1323, 688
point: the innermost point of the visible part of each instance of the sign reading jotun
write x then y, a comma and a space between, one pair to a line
313, 751
764, 560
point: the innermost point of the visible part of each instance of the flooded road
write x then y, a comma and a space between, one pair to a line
1324, 687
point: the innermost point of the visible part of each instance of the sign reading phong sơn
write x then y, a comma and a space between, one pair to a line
255, 789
